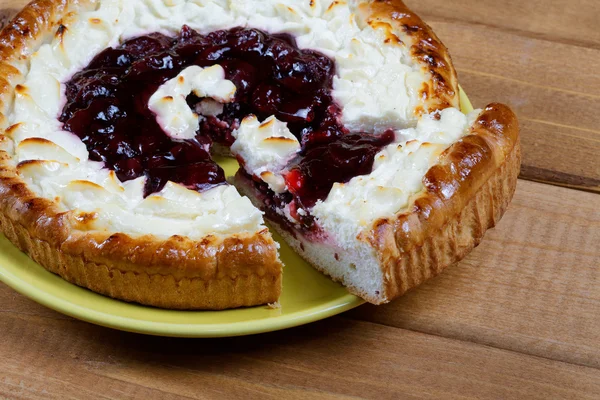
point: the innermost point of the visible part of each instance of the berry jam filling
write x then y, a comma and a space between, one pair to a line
107, 107
312, 175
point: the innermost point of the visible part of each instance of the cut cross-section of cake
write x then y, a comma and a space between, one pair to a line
344, 116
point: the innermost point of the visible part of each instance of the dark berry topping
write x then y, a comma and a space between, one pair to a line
107, 107
312, 175
107, 102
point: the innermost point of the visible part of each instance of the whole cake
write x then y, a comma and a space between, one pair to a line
344, 117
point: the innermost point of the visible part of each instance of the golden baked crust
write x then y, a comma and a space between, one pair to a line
213, 273
466, 193
403, 25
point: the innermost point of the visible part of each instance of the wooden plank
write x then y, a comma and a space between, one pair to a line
539, 63
531, 286
580, 170
555, 149
9, 8
574, 22
338, 358
553, 87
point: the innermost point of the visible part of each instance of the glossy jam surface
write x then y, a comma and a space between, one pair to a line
313, 174
107, 107
107, 102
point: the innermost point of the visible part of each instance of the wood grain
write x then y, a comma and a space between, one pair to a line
338, 358
574, 22
531, 286
518, 318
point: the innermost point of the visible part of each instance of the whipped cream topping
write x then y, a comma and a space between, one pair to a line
265, 149
174, 115
376, 85
87, 187
397, 175
55, 164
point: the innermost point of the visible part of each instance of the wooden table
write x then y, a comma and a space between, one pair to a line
518, 318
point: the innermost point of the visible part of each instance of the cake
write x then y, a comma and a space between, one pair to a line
344, 116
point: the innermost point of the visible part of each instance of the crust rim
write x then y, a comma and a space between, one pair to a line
465, 194
401, 24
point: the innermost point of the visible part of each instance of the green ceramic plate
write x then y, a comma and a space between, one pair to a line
307, 296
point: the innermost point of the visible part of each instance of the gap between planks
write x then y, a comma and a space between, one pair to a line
545, 176
348, 315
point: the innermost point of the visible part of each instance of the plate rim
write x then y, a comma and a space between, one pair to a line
172, 329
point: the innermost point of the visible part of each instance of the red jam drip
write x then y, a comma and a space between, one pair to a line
107, 107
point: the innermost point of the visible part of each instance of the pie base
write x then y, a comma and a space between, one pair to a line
165, 291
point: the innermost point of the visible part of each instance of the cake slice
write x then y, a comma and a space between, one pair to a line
428, 199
